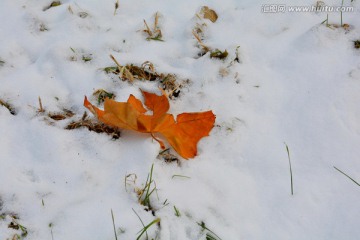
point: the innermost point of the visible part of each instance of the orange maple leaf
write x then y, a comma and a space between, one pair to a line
182, 134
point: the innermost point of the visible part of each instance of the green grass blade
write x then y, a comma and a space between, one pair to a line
291, 175
112, 216
347, 176
144, 230
181, 176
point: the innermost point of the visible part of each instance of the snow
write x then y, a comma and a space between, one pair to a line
297, 84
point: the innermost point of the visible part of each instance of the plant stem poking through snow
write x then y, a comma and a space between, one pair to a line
291, 176
116, 6
177, 212
51, 231
112, 216
41, 109
347, 176
154, 34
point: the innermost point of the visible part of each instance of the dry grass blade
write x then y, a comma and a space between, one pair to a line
168, 157
57, 117
148, 66
41, 109
123, 71
156, 22
147, 72
205, 48
126, 74
66, 113
8, 106
147, 30
116, 62
61, 116
92, 125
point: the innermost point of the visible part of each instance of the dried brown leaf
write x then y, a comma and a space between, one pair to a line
208, 13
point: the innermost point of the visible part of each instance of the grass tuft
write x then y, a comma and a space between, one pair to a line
146, 72
101, 95
155, 33
148, 190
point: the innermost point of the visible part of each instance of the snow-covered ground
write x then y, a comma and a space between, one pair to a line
297, 84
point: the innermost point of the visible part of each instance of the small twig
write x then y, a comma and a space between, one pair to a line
347, 176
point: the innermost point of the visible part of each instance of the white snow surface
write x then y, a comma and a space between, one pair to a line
297, 83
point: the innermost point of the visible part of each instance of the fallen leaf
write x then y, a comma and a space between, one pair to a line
182, 134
